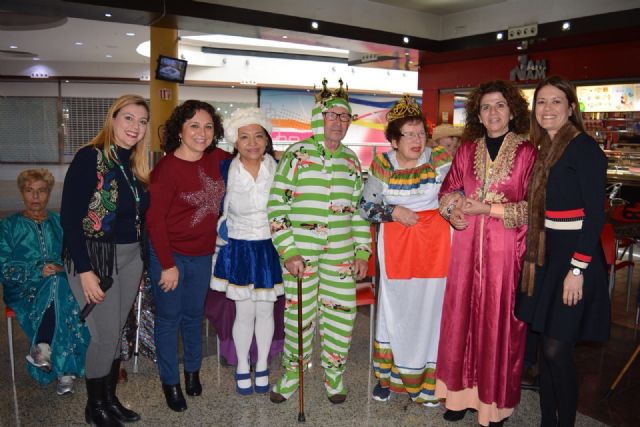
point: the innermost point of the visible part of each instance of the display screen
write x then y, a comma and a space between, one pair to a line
171, 69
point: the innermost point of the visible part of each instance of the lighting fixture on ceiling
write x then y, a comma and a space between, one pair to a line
314, 25
405, 40
566, 26
130, 34
108, 15
13, 47
499, 36
78, 43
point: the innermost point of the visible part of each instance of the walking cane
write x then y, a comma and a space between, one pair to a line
136, 349
301, 417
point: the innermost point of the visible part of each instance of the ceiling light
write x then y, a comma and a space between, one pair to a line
566, 26
108, 15
499, 36
36, 59
13, 47
220, 39
66, 81
285, 37
78, 43
108, 55
130, 34
405, 40
314, 25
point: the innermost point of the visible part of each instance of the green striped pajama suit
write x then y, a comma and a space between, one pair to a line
313, 210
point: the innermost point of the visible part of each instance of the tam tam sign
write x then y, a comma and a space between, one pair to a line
528, 69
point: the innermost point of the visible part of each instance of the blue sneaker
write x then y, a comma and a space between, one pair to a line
381, 394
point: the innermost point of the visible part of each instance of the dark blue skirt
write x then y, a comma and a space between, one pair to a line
248, 269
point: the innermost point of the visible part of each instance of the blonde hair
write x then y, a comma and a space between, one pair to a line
105, 138
33, 175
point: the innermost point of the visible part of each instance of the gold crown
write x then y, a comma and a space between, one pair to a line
327, 94
407, 106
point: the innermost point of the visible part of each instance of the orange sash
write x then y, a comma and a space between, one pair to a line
420, 251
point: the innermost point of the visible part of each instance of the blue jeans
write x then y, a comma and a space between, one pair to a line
183, 309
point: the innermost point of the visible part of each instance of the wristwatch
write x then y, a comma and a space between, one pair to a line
576, 271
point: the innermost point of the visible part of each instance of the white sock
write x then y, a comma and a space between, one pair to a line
264, 335
242, 336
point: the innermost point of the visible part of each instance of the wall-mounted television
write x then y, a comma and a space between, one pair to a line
171, 69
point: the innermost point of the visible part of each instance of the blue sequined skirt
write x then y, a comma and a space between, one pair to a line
248, 269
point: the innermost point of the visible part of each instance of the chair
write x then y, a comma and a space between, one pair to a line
9, 315
610, 245
365, 295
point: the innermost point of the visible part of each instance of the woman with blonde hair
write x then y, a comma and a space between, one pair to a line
103, 205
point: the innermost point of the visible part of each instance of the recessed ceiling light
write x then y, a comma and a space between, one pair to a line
405, 40
108, 55
230, 105
499, 36
108, 15
285, 37
232, 87
13, 47
314, 25
566, 26
130, 34
78, 43
36, 59
66, 81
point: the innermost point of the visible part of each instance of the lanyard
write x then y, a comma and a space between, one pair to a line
133, 186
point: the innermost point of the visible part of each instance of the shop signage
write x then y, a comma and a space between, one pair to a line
528, 69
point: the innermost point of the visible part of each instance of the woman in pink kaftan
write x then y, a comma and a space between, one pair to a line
484, 197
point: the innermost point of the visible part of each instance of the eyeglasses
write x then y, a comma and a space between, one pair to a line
421, 135
331, 116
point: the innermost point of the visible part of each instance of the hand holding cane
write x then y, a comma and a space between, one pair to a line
301, 417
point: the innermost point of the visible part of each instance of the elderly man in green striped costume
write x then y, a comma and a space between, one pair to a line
320, 236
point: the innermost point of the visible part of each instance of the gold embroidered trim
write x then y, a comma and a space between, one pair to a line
515, 214
500, 168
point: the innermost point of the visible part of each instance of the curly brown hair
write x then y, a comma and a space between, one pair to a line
172, 127
518, 107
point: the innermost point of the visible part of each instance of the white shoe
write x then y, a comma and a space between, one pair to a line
431, 403
40, 356
65, 385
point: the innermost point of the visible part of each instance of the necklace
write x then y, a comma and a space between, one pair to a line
133, 186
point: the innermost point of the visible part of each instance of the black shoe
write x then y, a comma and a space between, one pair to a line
96, 412
453, 416
192, 383
113, 404
276, 397
494, 424
174, 397
337, 399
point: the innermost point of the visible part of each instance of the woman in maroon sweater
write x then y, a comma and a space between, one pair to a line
186, 189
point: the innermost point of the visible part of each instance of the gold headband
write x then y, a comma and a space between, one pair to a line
406, 107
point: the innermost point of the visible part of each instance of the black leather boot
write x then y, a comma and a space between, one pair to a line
113, 404
96, 411
192, 383
175, 399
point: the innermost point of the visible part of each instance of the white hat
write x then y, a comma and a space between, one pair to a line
243, 117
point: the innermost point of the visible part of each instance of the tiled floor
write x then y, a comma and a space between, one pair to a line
29, 404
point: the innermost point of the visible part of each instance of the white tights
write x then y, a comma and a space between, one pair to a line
252, 316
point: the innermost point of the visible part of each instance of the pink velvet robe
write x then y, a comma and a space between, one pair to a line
481, 342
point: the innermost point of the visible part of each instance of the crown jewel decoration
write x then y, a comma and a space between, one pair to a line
407, 106
327, 94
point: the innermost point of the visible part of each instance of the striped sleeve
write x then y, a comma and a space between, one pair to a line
360, 228
279, 205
